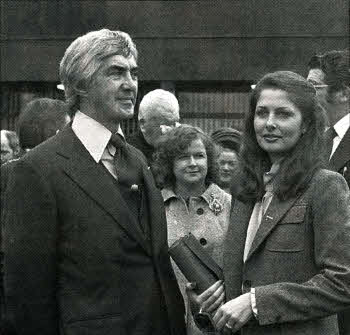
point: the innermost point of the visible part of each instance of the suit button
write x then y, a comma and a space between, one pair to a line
200, 211
203, 241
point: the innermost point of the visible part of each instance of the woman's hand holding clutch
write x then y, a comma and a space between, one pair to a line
234, 314
208, 301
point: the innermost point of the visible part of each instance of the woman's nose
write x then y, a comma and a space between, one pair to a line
271, 122
192, 161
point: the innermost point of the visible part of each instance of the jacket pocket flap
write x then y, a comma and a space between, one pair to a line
294, 215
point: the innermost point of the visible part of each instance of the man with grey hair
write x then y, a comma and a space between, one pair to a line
86, 236
159, 110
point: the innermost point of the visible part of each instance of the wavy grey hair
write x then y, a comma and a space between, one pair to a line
84, 57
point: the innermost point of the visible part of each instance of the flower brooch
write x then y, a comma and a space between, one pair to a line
215, 205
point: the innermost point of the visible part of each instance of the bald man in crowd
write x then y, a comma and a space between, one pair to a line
159, 109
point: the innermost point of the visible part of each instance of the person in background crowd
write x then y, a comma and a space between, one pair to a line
41, 119
330, 75
85, 228
10, 150
229, 140
185, 162
286, 255
9, 146
158, 111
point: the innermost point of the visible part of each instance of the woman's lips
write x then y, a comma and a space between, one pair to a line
271, 138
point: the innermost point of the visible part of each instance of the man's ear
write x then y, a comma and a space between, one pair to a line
16, 151
81, 92
342, 96
142, 125
81, 89
345, 97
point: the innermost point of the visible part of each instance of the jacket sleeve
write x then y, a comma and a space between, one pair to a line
328, 291
30, 231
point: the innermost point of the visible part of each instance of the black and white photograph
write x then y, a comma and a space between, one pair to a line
175, 167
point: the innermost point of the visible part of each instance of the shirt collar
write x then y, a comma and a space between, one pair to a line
342, 125
212, 192
269, 176
92, 134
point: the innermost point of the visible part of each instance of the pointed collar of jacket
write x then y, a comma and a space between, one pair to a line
212, 191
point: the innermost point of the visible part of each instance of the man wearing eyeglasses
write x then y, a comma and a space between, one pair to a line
330, 75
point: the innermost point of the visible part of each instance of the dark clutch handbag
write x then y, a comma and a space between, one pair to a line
195, 263
197, 266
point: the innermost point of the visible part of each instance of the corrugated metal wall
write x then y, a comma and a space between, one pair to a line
213, 110
208, 110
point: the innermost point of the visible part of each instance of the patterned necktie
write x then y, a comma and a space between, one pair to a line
120, 159
127, 165
130, 178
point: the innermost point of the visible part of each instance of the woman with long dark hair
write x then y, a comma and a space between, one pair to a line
286, 255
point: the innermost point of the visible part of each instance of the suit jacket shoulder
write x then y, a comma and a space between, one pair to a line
325, 179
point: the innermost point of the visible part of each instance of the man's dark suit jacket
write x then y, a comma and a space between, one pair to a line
340, 162
76, 260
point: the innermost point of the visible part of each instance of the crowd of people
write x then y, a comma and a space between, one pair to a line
88, 216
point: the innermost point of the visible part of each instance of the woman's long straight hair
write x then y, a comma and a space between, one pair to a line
303, 160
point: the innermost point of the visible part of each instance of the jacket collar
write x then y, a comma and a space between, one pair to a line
212, 191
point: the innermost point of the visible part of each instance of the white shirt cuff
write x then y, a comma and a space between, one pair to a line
253, 302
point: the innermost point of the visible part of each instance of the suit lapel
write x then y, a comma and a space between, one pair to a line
234, 247
157, 219
96, 183
341, 154
273, 215
240, 220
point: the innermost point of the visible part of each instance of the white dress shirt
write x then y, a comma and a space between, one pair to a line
95, 138
341, 127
